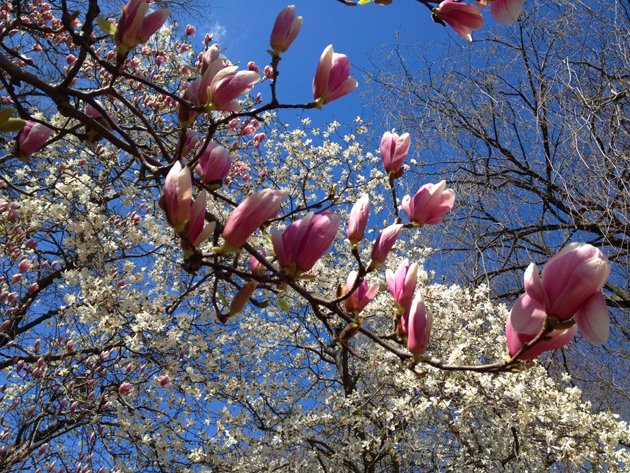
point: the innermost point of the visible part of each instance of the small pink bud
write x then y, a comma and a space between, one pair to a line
251, 66
285, 30
418, 326
125, 388
257, 266
269, 72
358, 220
190, 30
16, 278
164, 380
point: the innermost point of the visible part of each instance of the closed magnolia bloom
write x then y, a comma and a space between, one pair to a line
504, 11
186, 113
135, 28
214, 164
177, 196
361, 296
242, 296
358, 220
460, 16
305, 241
384, 243
394, 150
285, 30
94, 135
402, 283
332, 78
227, 85
570, 287
430, 204
419, 324
256, 266
31, 139
554, 340
185, 146
250, 214
197, 229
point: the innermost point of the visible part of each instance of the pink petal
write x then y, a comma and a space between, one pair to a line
593, 320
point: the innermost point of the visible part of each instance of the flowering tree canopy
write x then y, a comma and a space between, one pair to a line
178, 293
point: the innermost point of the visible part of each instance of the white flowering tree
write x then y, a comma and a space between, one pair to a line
178, 293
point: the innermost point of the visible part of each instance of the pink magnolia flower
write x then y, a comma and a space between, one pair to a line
31, 139
256, 266
402, 283
305, 241
394, 150
177, 196
430, 204
285, 30
556, 339
419, 324
361, 296
358, 220
227, 85
384, 244
462, 17
190, 30
190, 140
135, 28
214, 164
217, 88
570, 287
193, 94
250, 214
94, 135
504, 11
197, 229
332, 79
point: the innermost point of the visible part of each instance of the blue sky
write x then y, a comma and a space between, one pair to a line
243, 26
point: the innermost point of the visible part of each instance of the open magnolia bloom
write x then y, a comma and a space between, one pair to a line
504, 11
135, 28
462, 17
569, 289
332, 79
